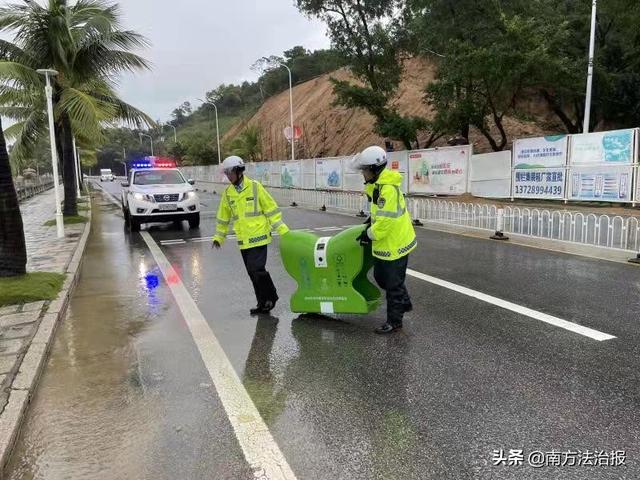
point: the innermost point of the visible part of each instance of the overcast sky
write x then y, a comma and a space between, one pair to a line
198, 44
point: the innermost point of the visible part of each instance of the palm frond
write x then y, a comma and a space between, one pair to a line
84, 110
129, 114
19, 74
97, 60
26, 135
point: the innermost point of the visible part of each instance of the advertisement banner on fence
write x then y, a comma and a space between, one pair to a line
614, 147
439, 171
329, 174
541, 152
263, 172
490, 174
603, 184
291, 175
546, 183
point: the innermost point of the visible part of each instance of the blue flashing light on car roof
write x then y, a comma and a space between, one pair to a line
153, 162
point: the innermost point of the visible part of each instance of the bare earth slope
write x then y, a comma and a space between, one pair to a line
330, 130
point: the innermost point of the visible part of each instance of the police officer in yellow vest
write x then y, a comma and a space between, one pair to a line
255, 214
390, 235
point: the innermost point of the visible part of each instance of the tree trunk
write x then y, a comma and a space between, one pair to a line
13, 250
68, 167
559, 112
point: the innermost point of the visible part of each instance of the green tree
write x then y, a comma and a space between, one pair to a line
616, 86
248, 145
362, 32
480, 79
85, 44
13, 251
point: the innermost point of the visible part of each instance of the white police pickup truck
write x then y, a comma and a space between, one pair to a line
156, 191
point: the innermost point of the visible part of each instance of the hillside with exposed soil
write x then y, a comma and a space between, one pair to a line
330, 130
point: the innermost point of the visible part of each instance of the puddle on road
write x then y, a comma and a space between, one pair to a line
91, 418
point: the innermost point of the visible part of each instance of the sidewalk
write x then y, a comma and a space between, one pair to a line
26, 330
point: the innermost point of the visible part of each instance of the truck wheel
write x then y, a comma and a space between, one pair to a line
194, 221
134, 224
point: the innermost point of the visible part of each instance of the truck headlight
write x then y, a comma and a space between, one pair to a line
190, 195
143, 196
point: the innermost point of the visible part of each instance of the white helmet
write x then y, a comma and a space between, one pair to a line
232, 162
370, 157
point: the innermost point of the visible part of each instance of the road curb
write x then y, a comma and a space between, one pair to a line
26, 380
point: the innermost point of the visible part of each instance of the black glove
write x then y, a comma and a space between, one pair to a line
363, 238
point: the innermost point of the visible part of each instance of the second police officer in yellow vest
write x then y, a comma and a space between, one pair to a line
254, 214
390, 235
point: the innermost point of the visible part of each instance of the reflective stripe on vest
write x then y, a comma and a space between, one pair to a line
256, 207
258, 239
405, 249
408, 247
399, 211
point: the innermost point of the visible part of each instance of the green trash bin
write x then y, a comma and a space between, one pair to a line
331, 272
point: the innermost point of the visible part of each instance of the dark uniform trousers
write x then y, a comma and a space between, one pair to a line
390, 276
255, 260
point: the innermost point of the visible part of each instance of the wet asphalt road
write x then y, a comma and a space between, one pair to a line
126, 395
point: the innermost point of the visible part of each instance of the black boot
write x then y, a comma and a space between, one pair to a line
269, 305
388, 328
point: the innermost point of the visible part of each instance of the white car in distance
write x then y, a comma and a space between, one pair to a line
106, 175
159, 194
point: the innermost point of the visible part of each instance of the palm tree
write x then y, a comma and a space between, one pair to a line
85, 44
13, 252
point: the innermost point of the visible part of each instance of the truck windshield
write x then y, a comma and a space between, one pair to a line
158, 177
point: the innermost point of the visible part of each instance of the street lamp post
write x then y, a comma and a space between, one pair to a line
293, 133
76, 156
150, 138
592, 47
217, 128
48, 73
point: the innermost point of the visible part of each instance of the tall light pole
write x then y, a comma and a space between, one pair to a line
217, 127
592, 47
124, 161
293, 133
48, 73
175, 132
77, 161
150, 138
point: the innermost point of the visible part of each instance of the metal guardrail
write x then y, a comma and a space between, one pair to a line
607, 231
25, 192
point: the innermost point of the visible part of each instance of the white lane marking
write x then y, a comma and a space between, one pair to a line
259, 447
172, 242
543, 317
329, 229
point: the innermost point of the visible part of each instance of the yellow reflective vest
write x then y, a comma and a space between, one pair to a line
254, 214
391, 229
